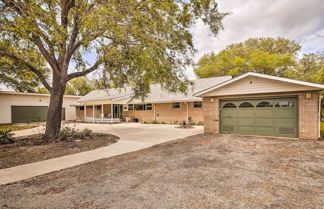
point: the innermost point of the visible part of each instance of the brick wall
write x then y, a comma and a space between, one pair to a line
308, 116
165, 113
308, 113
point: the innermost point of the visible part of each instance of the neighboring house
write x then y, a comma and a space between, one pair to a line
114, 104
18, 107
258, 104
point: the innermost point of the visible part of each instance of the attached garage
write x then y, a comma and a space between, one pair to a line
26, 114
260, 116
263, 105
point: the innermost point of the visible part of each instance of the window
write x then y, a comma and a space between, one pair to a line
139, 107
99, 107
81, 107
176, 105
246, 105
197, 104
229, 105
148, 106
264, 104
285, 104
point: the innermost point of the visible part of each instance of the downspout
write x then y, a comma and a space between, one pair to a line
187, 118
85, 112
154, 112
319, 115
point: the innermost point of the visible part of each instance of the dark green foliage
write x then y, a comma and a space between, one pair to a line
6, 137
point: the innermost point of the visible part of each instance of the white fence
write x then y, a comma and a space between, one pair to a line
102, 120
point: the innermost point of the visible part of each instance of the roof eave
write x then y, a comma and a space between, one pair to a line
288, 80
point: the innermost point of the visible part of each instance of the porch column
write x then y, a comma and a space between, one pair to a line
93, 113
85, 113
102, 113
112, 113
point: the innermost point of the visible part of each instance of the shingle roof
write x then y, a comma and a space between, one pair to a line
160, 95
157, 94
107, 94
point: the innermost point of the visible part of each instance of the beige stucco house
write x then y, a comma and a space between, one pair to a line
18, 107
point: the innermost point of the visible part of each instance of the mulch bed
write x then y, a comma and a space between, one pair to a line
32, 148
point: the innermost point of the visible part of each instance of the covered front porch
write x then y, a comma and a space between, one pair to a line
92, 112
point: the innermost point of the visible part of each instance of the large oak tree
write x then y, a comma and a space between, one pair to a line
134, 42
273, 56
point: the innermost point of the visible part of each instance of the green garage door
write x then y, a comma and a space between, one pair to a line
267, 117
25, 114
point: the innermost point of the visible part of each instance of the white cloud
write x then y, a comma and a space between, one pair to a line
301, 20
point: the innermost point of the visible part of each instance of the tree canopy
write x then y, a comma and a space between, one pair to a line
262, 55
309, 68
133, 42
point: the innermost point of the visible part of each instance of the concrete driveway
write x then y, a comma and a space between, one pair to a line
133, 137
148, 133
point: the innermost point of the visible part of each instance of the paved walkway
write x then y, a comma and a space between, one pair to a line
133, 137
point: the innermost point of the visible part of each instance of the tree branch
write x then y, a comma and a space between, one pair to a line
51, 60
84, 72
28, 65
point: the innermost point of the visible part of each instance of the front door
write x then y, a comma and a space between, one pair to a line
118, 111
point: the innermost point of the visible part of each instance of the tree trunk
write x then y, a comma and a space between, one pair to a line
53, 123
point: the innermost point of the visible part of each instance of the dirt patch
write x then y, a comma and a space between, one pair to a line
32, 148
203, 171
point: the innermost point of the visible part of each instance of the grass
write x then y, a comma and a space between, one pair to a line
322, 130
16, 127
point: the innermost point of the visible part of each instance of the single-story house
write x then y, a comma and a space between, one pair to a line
258, 104
113, 105
16, 107
251, 104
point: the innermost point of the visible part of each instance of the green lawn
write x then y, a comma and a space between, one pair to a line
16, 127
322, 130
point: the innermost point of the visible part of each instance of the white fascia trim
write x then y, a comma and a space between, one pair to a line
288, 80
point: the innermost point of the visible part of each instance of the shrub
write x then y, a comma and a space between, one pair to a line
6, 137
200, 123
86, 132
155, 122
67, 131
163, 122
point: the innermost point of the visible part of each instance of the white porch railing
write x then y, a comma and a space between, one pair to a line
101, 120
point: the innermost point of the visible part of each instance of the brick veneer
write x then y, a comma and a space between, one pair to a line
308, 117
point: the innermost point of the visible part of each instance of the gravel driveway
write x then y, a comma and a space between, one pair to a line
202, 171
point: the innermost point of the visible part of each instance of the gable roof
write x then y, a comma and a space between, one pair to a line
287, 80
157, 94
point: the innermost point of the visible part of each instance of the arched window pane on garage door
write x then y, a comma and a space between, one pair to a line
246, 105
264, 104
229, 105
285, 104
